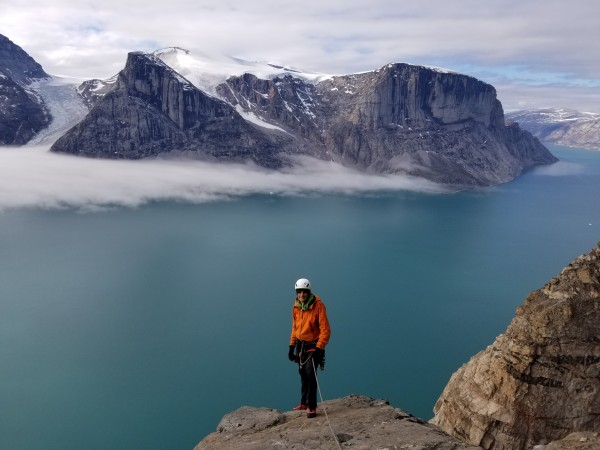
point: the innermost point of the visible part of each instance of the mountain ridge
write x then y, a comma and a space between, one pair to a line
561, 126
399, 119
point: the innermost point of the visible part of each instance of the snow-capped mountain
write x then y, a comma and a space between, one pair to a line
398, 119
207, 72
561, 126
422, 121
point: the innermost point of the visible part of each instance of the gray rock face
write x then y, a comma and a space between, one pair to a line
16, 64
92, 91
561, 126
152, 110
540, 380
22, 112
357, 422
400, 119
403, 119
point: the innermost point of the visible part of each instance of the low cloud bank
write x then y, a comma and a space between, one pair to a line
32, 177
560, 169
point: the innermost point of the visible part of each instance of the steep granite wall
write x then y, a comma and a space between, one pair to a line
152, 110
540, 380
442, 126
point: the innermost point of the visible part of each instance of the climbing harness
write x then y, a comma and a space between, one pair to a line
309, 353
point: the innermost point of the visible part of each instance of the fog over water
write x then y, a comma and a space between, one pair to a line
33, 177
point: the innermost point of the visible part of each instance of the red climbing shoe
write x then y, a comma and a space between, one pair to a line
300, 407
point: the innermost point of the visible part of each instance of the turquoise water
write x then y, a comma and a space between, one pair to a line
139, 328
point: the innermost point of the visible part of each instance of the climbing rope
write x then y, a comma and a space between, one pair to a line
323, 406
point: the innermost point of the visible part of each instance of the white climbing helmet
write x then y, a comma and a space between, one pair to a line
302, 283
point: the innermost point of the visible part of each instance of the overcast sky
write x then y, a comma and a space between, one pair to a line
536, 53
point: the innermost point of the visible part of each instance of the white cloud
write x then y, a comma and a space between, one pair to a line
515, 97
92, 39
32, 177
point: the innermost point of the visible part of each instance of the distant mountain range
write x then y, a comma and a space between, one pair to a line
561, 126
399, 119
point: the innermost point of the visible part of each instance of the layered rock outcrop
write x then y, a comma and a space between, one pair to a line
357, 422
22, 111
540, 380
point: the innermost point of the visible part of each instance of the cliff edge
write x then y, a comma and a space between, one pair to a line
357, 422
540, 380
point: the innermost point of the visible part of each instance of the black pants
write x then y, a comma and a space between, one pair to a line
307, 369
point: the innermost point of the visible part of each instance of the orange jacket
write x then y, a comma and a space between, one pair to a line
310, 325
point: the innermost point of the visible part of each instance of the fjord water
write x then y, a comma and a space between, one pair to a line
140, 328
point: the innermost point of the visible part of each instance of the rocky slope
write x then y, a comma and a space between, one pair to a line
442, 126
561, 126
540, 380
357, 422
22, 110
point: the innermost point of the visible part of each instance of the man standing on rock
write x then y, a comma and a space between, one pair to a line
310, 335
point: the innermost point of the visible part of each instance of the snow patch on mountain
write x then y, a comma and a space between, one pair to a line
66, 107
206, 71
256, 120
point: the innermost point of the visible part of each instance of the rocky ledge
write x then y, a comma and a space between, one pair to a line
574, 441
357, 422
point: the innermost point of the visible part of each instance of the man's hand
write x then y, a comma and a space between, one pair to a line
318, 355
291, 355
